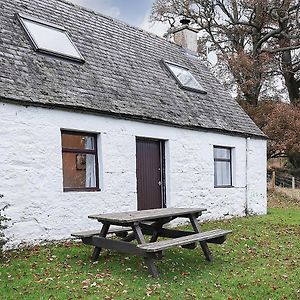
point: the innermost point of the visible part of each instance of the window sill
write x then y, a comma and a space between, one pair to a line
81, 190
223, 186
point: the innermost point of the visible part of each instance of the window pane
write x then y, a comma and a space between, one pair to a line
221, 153
79, 141
79, 170
185, 77
49, 38
222, 173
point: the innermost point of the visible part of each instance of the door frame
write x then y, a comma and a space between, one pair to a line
162, 149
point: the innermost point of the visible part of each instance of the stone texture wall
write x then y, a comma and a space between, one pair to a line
257, 177
31, 172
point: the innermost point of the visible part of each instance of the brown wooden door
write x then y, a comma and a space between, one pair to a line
150, 173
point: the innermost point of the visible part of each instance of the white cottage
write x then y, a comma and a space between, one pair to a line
98, 116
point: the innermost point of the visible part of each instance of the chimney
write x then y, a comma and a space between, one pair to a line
185, 36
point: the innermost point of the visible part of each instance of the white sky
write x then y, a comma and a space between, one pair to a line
134, 12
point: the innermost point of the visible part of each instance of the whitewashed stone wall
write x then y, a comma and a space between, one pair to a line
257, 177
31, 172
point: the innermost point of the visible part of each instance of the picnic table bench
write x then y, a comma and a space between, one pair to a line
121, 232
135, 225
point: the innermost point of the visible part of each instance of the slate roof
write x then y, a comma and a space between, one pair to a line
122, 75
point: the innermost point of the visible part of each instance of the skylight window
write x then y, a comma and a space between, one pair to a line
49, 38
184, 77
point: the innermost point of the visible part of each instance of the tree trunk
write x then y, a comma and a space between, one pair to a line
289, 78
251, 84
294, 159
251, 95
287, 63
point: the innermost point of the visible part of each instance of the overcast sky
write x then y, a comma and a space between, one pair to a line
134, 12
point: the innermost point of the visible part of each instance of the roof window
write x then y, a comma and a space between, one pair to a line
184, 77
49, 38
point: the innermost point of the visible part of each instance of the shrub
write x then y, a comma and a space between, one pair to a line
280, 122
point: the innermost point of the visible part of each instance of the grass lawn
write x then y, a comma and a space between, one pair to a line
260, 260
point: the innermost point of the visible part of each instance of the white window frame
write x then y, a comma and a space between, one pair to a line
198, 90
22, 17
230, 160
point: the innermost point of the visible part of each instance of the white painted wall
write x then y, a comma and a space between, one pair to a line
32, 182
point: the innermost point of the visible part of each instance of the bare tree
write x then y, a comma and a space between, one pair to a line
255, 40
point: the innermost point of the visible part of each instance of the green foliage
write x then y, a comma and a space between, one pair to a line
258, 261
3, 219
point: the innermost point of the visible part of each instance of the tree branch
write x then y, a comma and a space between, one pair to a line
267, 37
281, 49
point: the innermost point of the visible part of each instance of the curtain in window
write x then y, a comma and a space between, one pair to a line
90, 173
222, 173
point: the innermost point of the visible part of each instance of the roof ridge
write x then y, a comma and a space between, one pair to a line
116, 20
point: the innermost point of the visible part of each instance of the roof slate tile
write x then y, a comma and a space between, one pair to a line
122, 76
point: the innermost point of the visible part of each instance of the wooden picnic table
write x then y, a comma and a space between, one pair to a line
134, 225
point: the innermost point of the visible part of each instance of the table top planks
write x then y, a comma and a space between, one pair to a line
146, 215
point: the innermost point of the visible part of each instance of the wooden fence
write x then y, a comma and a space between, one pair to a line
275, 179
